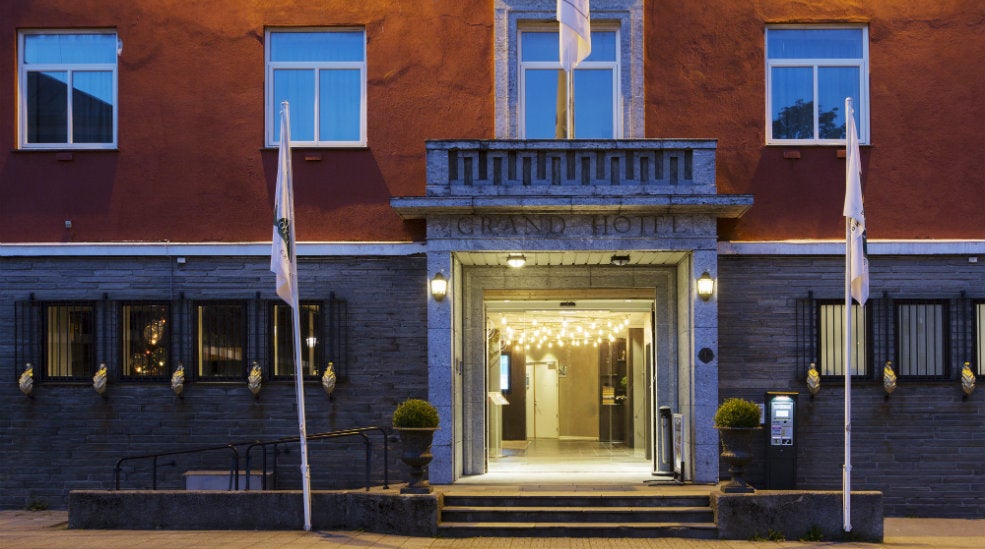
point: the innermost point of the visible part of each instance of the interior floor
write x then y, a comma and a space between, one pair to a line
570, 462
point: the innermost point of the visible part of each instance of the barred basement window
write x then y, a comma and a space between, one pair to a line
69, 341
831, 340
921, 328
146, 337
980, 337
220, 341
282, 339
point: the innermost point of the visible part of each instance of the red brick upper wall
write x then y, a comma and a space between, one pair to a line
192, 166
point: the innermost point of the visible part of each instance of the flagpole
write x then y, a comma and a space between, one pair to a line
570, 114
847, 469
283, 262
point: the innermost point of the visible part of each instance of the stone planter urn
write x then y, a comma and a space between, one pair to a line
416, 421
737, 444
737, 421
415, 451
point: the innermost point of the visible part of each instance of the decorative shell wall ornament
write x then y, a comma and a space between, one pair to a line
99, 380
888, 378
813, 380
328, 379
178, 379
26, 382
255, 379
967, 380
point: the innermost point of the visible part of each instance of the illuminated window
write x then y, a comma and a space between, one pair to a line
146, 340
220, 340
322, 74
809, 73
831, 340
921, 330
980, 337
68, 89
69, 341
282, 339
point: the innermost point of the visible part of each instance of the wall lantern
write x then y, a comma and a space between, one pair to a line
439, 287
706, 286
516, 260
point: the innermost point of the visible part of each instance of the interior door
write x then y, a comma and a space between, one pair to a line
542, 400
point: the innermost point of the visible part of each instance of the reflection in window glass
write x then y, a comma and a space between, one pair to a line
220, 340
322, 75
283, 339
544, 87
51, 65
146, 340
810, 72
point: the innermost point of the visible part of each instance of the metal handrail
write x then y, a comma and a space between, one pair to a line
361, 432
234, 468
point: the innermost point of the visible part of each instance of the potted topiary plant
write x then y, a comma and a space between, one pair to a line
416, 421
737, 421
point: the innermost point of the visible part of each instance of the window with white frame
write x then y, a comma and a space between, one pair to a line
68, 89
543, 87
809, 73
69, 341
321, 73
831, 340
921, 339
282, 339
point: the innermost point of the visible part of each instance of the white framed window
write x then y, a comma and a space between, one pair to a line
322, 74
810, 70
67, 83
831, 340
543, 87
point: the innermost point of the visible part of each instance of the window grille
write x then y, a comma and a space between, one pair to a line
831, 340
282, 339
69, 340
921, 331
146, 339
220, 340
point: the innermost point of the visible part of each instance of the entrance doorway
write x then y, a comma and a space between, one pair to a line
576, 387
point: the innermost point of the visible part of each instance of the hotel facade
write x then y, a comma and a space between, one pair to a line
137, 178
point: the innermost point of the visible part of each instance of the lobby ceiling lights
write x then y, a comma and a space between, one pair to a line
620, 260
516, 260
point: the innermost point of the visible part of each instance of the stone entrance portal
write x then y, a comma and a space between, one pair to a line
569, 207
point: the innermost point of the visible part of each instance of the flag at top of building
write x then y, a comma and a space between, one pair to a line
282, 259
858, 262
575, 32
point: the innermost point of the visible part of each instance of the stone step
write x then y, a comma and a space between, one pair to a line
578, 530
574, 500
611, 514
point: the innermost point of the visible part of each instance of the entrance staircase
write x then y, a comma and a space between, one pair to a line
465, 514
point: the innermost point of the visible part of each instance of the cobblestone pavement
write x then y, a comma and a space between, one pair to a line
49, 529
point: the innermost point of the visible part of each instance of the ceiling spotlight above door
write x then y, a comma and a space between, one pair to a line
620, 260
516, 260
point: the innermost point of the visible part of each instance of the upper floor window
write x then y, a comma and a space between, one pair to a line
809, 73
921, 331
543, 87
322, 74
68, 89
69, 341
282, 336
831, 340
146, 337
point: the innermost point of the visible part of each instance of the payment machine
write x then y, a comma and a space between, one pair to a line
781, 441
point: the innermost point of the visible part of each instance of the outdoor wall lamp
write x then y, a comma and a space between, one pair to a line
439, 287
706, 286
516, 260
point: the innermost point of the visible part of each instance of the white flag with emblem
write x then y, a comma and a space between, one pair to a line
283, 261
858, 263
575, 32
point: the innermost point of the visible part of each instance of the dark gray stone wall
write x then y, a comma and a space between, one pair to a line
67, 437
924, 446
794, 515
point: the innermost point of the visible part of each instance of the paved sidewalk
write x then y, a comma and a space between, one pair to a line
48, 529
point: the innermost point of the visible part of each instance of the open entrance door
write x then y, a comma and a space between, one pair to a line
570, 389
